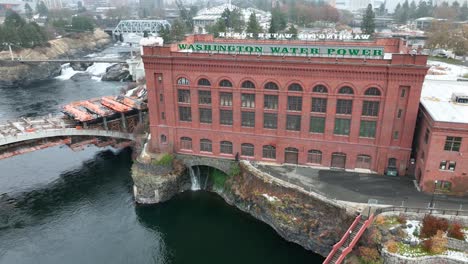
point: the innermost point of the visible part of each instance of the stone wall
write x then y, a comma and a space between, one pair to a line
457, 244
390, 258
155, 183
220, 164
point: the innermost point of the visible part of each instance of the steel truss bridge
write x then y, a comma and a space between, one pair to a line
139, 26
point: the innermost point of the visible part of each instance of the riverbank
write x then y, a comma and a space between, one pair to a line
300, 217
20, 74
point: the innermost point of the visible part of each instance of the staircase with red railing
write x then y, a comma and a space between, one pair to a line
349, 240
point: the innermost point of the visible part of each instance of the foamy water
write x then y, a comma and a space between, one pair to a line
96, 71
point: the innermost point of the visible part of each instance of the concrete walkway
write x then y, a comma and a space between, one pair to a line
361, 187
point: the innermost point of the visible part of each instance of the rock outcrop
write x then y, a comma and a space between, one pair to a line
117, 72
297, 216
19, 73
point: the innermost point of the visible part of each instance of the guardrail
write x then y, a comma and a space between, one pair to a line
422, 210
343, 239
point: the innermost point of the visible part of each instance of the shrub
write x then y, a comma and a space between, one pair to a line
380, 220
432, 224
455, 231
219, 179
369, 255
234, 170
392, 246
437, 244
401, 219
165, 160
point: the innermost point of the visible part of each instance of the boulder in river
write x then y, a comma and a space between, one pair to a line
117, 72
80, 66
80, 76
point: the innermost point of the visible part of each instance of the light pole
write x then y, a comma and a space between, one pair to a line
431, 205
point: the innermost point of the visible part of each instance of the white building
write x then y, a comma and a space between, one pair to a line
209, 16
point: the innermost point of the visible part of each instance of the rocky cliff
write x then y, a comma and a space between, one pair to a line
297, 216
18, 73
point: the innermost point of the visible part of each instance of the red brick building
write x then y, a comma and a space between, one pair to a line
324, 103
442, 136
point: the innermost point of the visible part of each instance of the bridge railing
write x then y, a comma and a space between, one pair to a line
38, 134
417, 210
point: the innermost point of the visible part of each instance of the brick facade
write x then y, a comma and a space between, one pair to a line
398, 83
431, 154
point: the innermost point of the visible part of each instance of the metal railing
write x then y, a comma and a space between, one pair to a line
422, 210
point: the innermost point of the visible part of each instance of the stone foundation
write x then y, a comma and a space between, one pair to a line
390, 258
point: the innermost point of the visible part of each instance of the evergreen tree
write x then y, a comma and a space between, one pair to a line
422, 10
28, 11
178, 30
82, 23
42, 9
253, 26
292, 30
13, 20
463, 15
165, 33
413, 9
368, 23
382, 9
278, 21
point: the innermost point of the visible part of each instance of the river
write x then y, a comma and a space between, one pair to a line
77, 207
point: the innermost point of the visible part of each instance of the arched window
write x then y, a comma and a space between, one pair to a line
269, 152
205, 145
248, 85
225, 83
163, 138
314, 156
392, 162
372, 92
185, 143
346, 90
271, 86
204, 82
226, 147
183, 81
320, 89
363, 162
295, 87
247, 149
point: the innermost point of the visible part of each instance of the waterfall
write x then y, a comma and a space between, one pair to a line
195, 178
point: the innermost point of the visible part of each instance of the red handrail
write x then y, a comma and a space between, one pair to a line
343, 239
356, 239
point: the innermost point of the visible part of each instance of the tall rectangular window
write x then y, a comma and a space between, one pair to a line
183, 96
403, 92
400, 112
396, 135
426, 135
185, 113
205, 115
225, 117
204, 97
370, 108
270, 120
270, 101
248, 100
319, 105
225, 99
295, 103
452, 143
342, 126
248, 119
367, 129
293, 122
317, 124
344, 106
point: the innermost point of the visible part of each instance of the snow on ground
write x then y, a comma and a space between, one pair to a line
414, 225
270, 198
445, 71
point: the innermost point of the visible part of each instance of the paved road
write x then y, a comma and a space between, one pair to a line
360, 187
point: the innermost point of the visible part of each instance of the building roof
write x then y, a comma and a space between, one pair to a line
436, 97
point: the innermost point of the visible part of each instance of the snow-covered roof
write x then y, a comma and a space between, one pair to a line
436, 97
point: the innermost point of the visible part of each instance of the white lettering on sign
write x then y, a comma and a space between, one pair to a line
313, 36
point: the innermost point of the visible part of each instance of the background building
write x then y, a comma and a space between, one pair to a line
441, 142
330, 111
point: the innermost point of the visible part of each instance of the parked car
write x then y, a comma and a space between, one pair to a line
391, 171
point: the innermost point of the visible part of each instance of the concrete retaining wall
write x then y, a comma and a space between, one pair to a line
457, 244
390, 258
